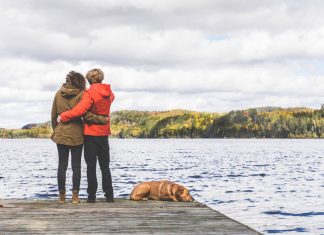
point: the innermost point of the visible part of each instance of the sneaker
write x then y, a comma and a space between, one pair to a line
91, 200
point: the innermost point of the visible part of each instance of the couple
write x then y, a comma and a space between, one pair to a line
81, 117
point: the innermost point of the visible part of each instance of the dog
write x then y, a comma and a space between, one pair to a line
161, 190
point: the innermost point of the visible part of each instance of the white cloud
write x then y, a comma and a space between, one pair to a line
203, 55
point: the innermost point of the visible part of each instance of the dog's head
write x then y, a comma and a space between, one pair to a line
181, 193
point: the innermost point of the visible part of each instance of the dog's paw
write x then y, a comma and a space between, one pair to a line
145, 199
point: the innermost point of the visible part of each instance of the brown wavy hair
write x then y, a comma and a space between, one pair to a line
76, 79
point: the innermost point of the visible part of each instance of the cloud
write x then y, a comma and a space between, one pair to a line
27, 97
183, 48
208, 55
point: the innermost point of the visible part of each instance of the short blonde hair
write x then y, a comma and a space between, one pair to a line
95, 76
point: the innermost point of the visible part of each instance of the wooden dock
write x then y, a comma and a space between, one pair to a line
122, 217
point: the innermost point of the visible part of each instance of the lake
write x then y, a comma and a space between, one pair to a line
272, 185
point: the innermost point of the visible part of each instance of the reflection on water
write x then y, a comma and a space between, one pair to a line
274, 186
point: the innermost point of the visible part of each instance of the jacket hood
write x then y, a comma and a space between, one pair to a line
102, 89
69, 91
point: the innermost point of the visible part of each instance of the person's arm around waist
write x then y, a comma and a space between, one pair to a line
92, 118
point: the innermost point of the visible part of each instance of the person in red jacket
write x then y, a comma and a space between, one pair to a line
97, 99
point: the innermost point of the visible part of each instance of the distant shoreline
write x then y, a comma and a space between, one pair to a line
258, 123
172, 138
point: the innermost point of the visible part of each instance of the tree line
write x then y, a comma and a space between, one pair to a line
267, 122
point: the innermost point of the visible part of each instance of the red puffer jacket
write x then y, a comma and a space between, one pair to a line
97, 99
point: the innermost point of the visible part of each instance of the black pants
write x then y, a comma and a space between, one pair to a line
63, 152
97, 147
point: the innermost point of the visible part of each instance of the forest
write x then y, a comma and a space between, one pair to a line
265, 122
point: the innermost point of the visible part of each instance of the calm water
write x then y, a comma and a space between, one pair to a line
274, 186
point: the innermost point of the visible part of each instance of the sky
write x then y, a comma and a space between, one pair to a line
203, 55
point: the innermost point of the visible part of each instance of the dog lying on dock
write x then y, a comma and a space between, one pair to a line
161, 190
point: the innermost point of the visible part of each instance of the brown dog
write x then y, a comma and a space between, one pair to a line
161, 190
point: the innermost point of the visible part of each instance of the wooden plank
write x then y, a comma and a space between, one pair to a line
123, 216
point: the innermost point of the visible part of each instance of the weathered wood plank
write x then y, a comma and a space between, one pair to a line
123, 216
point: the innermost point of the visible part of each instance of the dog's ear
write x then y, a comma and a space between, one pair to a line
182, 189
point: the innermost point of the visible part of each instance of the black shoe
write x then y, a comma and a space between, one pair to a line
110, 199
91, 200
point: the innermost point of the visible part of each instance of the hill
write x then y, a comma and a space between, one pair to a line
280, 123
174, 123
37, 125
262, 122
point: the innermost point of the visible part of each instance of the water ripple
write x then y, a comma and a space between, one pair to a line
304, 214
298, 229
260, 183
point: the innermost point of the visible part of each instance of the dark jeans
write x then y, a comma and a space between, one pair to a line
97, 147
63, 152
